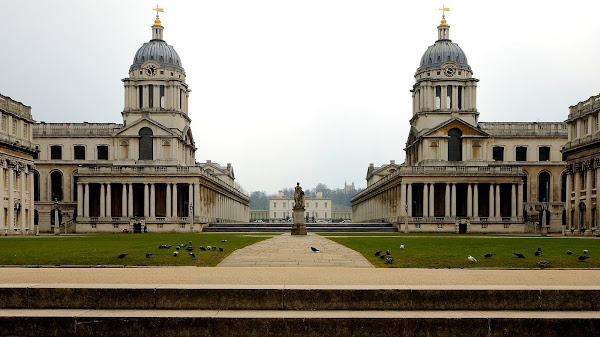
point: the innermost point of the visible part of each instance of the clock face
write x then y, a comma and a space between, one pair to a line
151, 70
449, 70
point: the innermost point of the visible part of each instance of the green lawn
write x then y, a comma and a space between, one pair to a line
451, 251
104, 249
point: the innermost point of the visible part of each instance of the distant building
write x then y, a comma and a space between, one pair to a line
337, 216
17, 178
259, 215
317, 208
582, 173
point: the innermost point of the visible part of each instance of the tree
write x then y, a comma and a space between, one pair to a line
259, 200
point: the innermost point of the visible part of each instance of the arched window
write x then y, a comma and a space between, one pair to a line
544, 187
146, 149
454, 145
56, 185
36, 186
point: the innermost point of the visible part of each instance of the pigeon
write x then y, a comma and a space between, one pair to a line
220, 249
382, 256
168, 246
569, 252
314, 249
202, 248
189, 249
388, 252
543, 264
585, 251
190, 243
122, 256
192, 255
389, 260
148, 255
488, 255
214, 247
378, 252
162, 247
175, 253
519, 255
583, 258
208, 247
539, 249
402, 246
472, 259
177, 247
182, 245
538, 253
221, 240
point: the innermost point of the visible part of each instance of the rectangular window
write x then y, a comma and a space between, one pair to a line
274, 215
274, 204
544, 153
102, 152
326, 207
140, 96
498, 153
55, 152
4, 122
449, 97
307, 203
25, 129
325, 214
460, 92
162, 96
316, 204
438, 96
521, 153
585, 127
150, 96
14, 127
79, 152
284, 205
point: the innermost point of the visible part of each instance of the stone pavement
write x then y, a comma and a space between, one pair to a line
294, 251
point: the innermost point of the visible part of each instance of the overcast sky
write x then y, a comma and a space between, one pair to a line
310, 91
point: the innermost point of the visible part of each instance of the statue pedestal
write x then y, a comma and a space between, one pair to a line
299, 227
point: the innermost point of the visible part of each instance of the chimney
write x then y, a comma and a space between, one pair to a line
280, 194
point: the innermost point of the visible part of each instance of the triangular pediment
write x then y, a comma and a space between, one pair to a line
467, 129
133, 129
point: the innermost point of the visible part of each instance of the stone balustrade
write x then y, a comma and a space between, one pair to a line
17, 108
71, 129
582, 108
525, 128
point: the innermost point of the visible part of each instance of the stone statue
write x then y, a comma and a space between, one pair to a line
298, 196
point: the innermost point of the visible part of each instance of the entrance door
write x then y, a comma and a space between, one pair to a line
462, 228
137, 227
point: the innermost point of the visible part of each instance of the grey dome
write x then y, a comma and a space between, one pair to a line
160, 52
441, 52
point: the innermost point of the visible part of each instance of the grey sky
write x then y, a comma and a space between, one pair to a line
310, 91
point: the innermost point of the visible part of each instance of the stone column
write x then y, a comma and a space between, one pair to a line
152, 201
79, 199
197, 199
2, 224
469, 200
86, 200
425, 199
191, 199
409, 199
402, 199
169, 214
447, 201
31, 202
497, 197
146, 201
124, 200
455, 98
520, 200
102, 201
431, 200
130, 201
11, 197
491, 202
22, 218
476, 201
588, 198
108, 200
577, 179
175, 215
513, 202
443, 99
453, 201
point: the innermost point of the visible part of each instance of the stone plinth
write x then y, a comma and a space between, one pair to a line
299, 227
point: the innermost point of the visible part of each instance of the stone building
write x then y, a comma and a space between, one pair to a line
462, 175
17, 213
106, 177
317, 208
582, 174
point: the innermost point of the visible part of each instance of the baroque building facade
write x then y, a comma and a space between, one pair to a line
17, 214
582, 154
316, 208
106, 177
460, 174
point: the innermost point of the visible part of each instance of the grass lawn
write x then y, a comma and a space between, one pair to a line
104, 249
451, 251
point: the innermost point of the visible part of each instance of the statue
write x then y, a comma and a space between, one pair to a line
298, 196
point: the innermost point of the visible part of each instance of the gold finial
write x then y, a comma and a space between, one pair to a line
444, 9
157, 21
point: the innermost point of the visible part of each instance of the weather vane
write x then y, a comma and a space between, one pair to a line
443, 9
157, 9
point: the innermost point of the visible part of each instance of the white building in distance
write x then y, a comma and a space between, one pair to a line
317, 208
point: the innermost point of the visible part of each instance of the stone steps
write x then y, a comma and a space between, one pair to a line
311, 227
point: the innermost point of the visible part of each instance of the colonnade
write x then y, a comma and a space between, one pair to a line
18, 212
581, 213
425, 98
394, 203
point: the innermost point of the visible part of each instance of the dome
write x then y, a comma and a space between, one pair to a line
160, 52
441, 52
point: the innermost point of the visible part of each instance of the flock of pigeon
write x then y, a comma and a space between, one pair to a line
387, 256
542, 264
189, 248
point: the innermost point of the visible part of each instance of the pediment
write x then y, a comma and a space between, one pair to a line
467, 129
133, 129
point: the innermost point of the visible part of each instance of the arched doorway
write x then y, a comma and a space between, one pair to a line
56, 186
454, 145
544, 187
146, 148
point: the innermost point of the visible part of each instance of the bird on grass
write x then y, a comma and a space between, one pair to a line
585, 251
583, 258
202, 248
402, 246
389, 260
543, 264
190, 243
378, 252
168, 246
472, 259
148, 255
220, 249
538, 253
177, 247
175, 253
388, 252
569, 252
192, 255
382, 256
214, 247
314, 249
208, 247
519, 255
189, 249
488, 255
122, 256
221, 240
539, 249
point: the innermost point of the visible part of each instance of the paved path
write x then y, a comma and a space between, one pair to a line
294, 251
